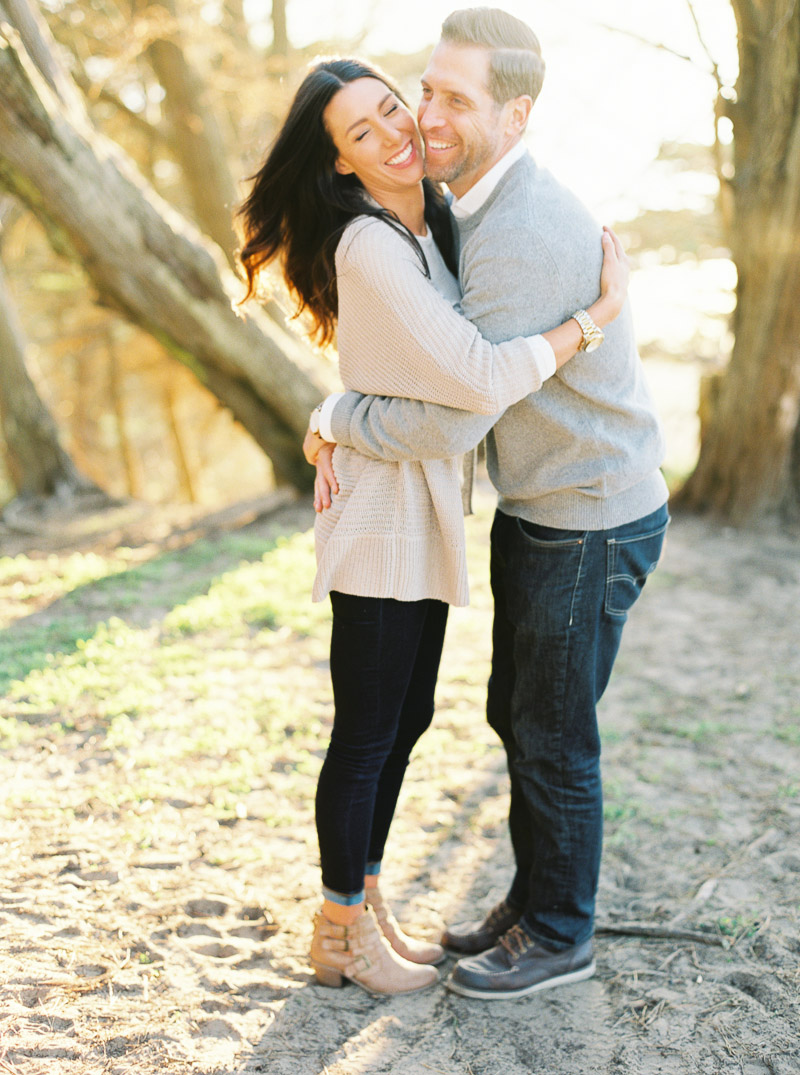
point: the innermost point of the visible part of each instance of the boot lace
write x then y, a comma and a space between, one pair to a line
516, 941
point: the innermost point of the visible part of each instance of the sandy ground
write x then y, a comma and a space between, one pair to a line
170, 947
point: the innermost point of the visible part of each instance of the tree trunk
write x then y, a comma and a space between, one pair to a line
196, 137
148, 262
130, 462
39, 465
747, 461
200, 148
280, 34
185, 476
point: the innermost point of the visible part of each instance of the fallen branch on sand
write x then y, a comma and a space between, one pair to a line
647, 929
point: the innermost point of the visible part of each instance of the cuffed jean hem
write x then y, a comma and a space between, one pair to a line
548, 943
372, 869
342, 899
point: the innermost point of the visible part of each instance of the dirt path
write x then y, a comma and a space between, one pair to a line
168, 933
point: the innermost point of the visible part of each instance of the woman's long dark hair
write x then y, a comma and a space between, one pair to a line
299, 205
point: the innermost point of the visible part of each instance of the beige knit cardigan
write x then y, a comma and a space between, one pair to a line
397, 529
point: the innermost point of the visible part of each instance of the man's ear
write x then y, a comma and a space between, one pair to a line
519, 111
342, 167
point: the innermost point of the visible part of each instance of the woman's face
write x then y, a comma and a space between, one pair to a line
375, 136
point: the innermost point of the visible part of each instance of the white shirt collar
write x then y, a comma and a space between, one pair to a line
475, 197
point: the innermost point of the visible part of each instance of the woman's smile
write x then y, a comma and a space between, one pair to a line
404, 157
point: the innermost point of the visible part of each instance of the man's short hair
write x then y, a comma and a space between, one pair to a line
516, 66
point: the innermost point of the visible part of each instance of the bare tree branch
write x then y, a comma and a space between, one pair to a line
704, 46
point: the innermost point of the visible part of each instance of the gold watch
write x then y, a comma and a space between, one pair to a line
593, 335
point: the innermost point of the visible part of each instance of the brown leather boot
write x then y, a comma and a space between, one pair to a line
473, 937
362, 954
409, 948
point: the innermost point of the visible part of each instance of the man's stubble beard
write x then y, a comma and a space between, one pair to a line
473, 158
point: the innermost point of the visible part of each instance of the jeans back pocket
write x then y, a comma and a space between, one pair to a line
629, 563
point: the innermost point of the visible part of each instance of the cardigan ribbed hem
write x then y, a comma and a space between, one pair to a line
404, 568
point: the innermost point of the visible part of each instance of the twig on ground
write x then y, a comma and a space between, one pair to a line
704, 893
669, 959
646, 929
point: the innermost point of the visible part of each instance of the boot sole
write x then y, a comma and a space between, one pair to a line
330, 977
579, 975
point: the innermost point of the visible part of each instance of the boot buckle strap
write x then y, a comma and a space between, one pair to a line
361, 963
336, 944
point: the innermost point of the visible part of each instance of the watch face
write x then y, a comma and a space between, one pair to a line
593, 344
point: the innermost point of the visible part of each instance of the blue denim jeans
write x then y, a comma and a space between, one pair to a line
384, 662
561, 601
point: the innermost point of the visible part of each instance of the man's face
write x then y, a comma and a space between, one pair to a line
463, 126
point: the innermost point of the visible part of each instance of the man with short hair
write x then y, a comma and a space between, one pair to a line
582, 503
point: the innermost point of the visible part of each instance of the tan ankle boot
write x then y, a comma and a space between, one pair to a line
361, 954
409, 948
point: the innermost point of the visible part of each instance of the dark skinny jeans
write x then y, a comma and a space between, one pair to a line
384, 662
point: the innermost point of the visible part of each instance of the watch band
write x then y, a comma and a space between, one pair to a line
593, 335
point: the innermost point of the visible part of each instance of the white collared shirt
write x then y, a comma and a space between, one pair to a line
475, 197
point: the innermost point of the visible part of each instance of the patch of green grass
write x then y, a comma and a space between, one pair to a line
272, 593
13, 732
788, 791
684, 726
614, 813
27, 578
702, 730
73, 661
620, 812
211, 691
23, 647
715, 764
609, 736
787, 727
738, 926
107, 674
72, 595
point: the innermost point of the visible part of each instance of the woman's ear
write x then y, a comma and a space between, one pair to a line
342, 167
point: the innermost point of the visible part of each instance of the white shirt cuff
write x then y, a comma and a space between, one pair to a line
326, 414
544, 356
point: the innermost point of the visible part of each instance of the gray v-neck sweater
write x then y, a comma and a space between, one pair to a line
584, 452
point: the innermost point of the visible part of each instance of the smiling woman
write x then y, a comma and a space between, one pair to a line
382, 147
366, 245
307, 193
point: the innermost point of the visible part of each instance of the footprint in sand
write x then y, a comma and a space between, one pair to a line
217, 951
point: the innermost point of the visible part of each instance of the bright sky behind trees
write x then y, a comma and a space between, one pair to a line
609, 100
